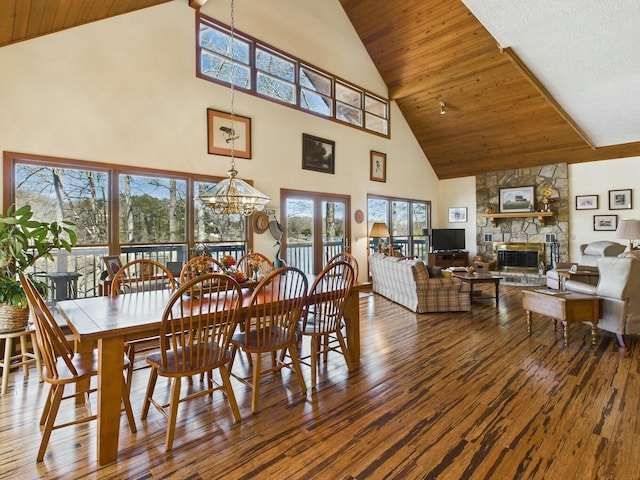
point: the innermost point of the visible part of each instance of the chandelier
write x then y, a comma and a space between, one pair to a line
234, 196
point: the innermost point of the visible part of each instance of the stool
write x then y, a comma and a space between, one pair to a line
25, 357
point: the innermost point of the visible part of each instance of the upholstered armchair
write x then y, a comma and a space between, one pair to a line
619, 288
588, 263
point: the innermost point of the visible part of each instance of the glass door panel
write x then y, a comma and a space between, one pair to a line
317, 227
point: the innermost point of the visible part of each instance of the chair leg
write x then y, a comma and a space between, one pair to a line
173, 412
226, 383
345, 351
131, 355
56, 397
126, 401
151, 386
255, 388
295, 359
315, 358
46, 410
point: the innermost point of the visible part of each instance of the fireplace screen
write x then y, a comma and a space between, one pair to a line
516, 256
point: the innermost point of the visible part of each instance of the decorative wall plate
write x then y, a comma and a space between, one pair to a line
359, 216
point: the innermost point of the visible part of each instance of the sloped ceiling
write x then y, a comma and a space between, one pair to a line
537, 82
538, 89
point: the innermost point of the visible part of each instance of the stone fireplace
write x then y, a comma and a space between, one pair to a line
541, 236
518, 256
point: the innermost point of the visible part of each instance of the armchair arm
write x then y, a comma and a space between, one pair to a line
580, 287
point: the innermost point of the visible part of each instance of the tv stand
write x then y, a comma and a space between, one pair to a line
450, 258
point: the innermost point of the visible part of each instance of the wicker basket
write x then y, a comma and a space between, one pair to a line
13, 318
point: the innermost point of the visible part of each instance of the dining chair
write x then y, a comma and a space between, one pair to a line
264, 265
141, 275
195, 335
62, 367
274, 310
350, 259
197, 266
324, 312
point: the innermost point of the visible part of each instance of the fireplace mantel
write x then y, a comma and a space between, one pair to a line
539, 215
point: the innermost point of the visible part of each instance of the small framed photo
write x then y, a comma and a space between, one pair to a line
605, 222
378, 167
223, 134
112, 264
458, 214
619, 199
318, 154
517, 199
586, 202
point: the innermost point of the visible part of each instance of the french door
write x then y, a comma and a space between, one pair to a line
316, 225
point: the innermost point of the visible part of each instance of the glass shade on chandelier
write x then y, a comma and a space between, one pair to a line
233, 196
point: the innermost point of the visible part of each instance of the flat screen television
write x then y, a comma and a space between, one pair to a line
447, 239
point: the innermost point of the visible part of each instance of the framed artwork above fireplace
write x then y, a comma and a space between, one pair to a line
517, 199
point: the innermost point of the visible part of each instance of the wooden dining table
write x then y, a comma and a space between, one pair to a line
109, 322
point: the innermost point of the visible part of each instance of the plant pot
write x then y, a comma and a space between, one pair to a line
13, 318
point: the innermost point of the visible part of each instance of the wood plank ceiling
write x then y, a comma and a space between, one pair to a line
24, 19
497, 115
427, 51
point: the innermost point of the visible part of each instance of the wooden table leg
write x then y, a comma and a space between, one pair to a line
111, 355
497, 291
352, 322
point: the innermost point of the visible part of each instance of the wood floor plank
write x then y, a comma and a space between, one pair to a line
463, 395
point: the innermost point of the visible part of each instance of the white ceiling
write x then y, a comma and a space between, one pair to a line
585, 52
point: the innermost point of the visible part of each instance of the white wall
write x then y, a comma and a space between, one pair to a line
597, 178
124, 91
456, 193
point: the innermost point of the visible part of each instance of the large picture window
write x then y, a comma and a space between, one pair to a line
407, 221
132, 213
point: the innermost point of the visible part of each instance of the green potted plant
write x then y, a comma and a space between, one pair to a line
22, 242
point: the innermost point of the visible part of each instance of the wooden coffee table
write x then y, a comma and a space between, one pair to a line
568, 307
473, 278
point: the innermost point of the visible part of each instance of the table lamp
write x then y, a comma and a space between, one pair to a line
379, 230
629, 229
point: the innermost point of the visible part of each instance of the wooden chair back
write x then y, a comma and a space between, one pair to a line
198, 323
329, 293
52, 342
346, 257
142, 275
250, 260
198, 266
274, 322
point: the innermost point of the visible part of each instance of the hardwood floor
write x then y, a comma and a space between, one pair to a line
447, 396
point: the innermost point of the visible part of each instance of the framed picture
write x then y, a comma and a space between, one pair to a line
318, 154
458, 214
223, 134
619, 199
605, 222
112, 264
378, 168
586, 202
517, 199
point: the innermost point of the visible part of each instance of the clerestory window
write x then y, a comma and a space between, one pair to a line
277, 76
